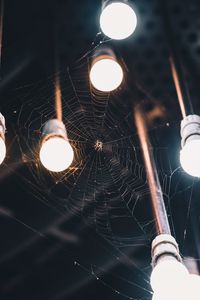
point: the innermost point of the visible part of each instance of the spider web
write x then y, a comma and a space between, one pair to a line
106, 184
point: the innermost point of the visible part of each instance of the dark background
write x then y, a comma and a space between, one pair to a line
87, 234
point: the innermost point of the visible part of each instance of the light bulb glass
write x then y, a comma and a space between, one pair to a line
168, 275
2, 150
106, 75
56, 154
118, 20
190, 157
189, 290
193, 287
175, 294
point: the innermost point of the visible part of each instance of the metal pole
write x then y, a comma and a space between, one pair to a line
158, 205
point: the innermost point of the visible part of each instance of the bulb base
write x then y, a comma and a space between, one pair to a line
107, 2
54, 128
103, 52
164, 247
190, 129
2, 127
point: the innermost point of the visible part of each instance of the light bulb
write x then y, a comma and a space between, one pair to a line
56, 154
106, 75
190, 157
118, 20
2, 150
168, 275
193, 287
189, 290
175, 294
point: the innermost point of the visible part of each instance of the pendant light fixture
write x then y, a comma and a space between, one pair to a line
106, 74
2, 138
118, 19
56, 153
2, 119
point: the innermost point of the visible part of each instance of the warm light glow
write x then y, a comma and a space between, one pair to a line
190, 158
193, 287
56, 154
179, 293
2, 150
106, 75
188, 291
118, 20
168, 275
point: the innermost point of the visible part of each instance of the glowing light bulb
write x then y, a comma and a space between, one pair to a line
106, 75
56, 154
193, 286
118, 20
179, 293
190, 157
168, 276
2, 150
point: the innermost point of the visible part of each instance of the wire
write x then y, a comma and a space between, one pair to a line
177, 86
58, 97
57, 84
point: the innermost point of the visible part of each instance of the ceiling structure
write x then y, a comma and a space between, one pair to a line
87, 234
